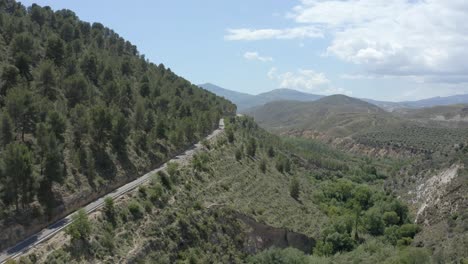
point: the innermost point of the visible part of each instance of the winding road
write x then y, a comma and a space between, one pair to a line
32, 241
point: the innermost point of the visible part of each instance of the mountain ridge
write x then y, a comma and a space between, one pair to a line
244, 101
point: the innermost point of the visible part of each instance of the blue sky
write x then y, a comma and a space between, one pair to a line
380, 49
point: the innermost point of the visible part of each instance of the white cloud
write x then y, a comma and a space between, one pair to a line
394, 37
305, 80
253, 55
356, 77
262, 34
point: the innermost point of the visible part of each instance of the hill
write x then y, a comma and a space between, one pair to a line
83, 112
448, 115
336, 115
425, 103
287, 94
438, 101
246, 101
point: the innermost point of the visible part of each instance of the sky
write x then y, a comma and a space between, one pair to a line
391, 50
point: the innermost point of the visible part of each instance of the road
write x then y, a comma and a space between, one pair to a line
30, 242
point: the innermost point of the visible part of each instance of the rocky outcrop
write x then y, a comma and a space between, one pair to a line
262, 236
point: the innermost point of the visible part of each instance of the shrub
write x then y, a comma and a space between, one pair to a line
374, 223
294, 188
251, 147
391, 234
238, 154
279, 256
391, 218
135, 209
142, 191
109, 209
205, 143
80, 228
230, 135
173, 169
408, 230
271, 152
263, 166
165, 180
414, 256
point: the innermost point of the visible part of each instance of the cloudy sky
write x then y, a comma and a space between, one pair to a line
381, 49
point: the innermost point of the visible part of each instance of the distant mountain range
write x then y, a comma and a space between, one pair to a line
245, 101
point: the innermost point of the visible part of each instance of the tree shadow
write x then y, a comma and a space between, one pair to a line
103, 163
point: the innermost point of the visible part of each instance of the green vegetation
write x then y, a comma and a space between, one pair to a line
81, 108
80, 228
198, 217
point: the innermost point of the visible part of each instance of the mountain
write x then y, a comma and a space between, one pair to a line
430, 102
438, 101
245, 101
236, 97
447, 115
83, 112
337, 115
287, 94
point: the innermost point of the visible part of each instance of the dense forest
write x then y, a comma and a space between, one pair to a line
80, 107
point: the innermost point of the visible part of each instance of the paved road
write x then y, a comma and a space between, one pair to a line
25, 245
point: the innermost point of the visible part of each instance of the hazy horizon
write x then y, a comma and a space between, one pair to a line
393, 101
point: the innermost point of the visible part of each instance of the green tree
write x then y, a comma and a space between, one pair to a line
76, 89
294, 188
230, 135
7, 135
271, 152
374, 222
139, 115
18, 170
251, 147
391, 218
67, 31
9, 78
238, 154
89, 66
81, 123
173, 169
120, 133
80, 227
57, 124
20, 105
55, 50
47, 82
54, 170
37, 14
101, 123
109, 209
161, 129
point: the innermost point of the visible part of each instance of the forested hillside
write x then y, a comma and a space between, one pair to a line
81, 110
